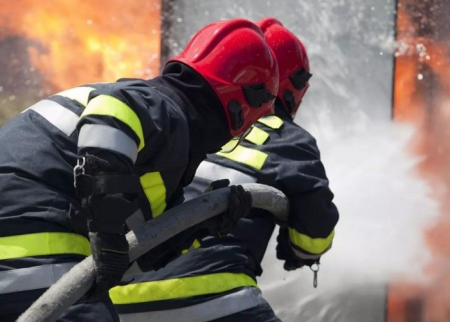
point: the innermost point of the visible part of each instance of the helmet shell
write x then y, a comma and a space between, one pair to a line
292, 60
235, 59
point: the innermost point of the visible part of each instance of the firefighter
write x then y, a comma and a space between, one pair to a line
217, 280
81, 165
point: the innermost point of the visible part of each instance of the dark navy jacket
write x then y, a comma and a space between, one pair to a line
278, 153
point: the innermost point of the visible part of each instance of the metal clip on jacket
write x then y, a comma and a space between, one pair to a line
315, 269
79, 170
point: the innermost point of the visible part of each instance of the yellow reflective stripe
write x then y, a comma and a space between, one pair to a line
250, 157
272, 121
257, 136
311, 245
155, 190
40, 244
80, 94
195, 244
111, 106
179, 288
230, 145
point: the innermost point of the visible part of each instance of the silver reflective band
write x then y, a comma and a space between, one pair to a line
62, 118
32, 278
309, 256
109, 138
226, 305
212, 171
305, 256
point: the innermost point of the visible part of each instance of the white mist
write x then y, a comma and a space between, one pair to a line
384, 209
384, 204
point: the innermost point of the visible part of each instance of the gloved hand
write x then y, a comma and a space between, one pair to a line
285, 252
108, 197
111, 260
106, 224
239, 205
164, 253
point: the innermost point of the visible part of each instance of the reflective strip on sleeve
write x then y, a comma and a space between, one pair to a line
257, 136
111, 106
59, 116
177, 288
41, 244
303, 255
314, 246
212, 171
195, 244
109, 138
214, 309
80, 94
155, 190
250, 157
32, 278
272, 121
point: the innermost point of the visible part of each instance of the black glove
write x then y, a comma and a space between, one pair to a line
106, 210
239, 205
107, 213
111, 260
106, 224
286, 253
166, 252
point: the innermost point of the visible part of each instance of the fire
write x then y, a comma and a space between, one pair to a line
72, 42
422, 94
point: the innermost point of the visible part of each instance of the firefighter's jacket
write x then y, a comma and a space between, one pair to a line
132, 122
278, 153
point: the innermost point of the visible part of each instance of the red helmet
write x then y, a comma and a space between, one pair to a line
235, 59
293, 63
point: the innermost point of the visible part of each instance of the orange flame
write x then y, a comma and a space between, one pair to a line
422, 93
73, 42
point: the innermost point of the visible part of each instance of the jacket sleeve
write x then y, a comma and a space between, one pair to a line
111, 124
313, 215
134, 127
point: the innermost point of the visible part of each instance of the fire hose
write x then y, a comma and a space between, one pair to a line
74, 284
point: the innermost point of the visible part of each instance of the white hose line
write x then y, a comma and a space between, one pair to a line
74, 284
